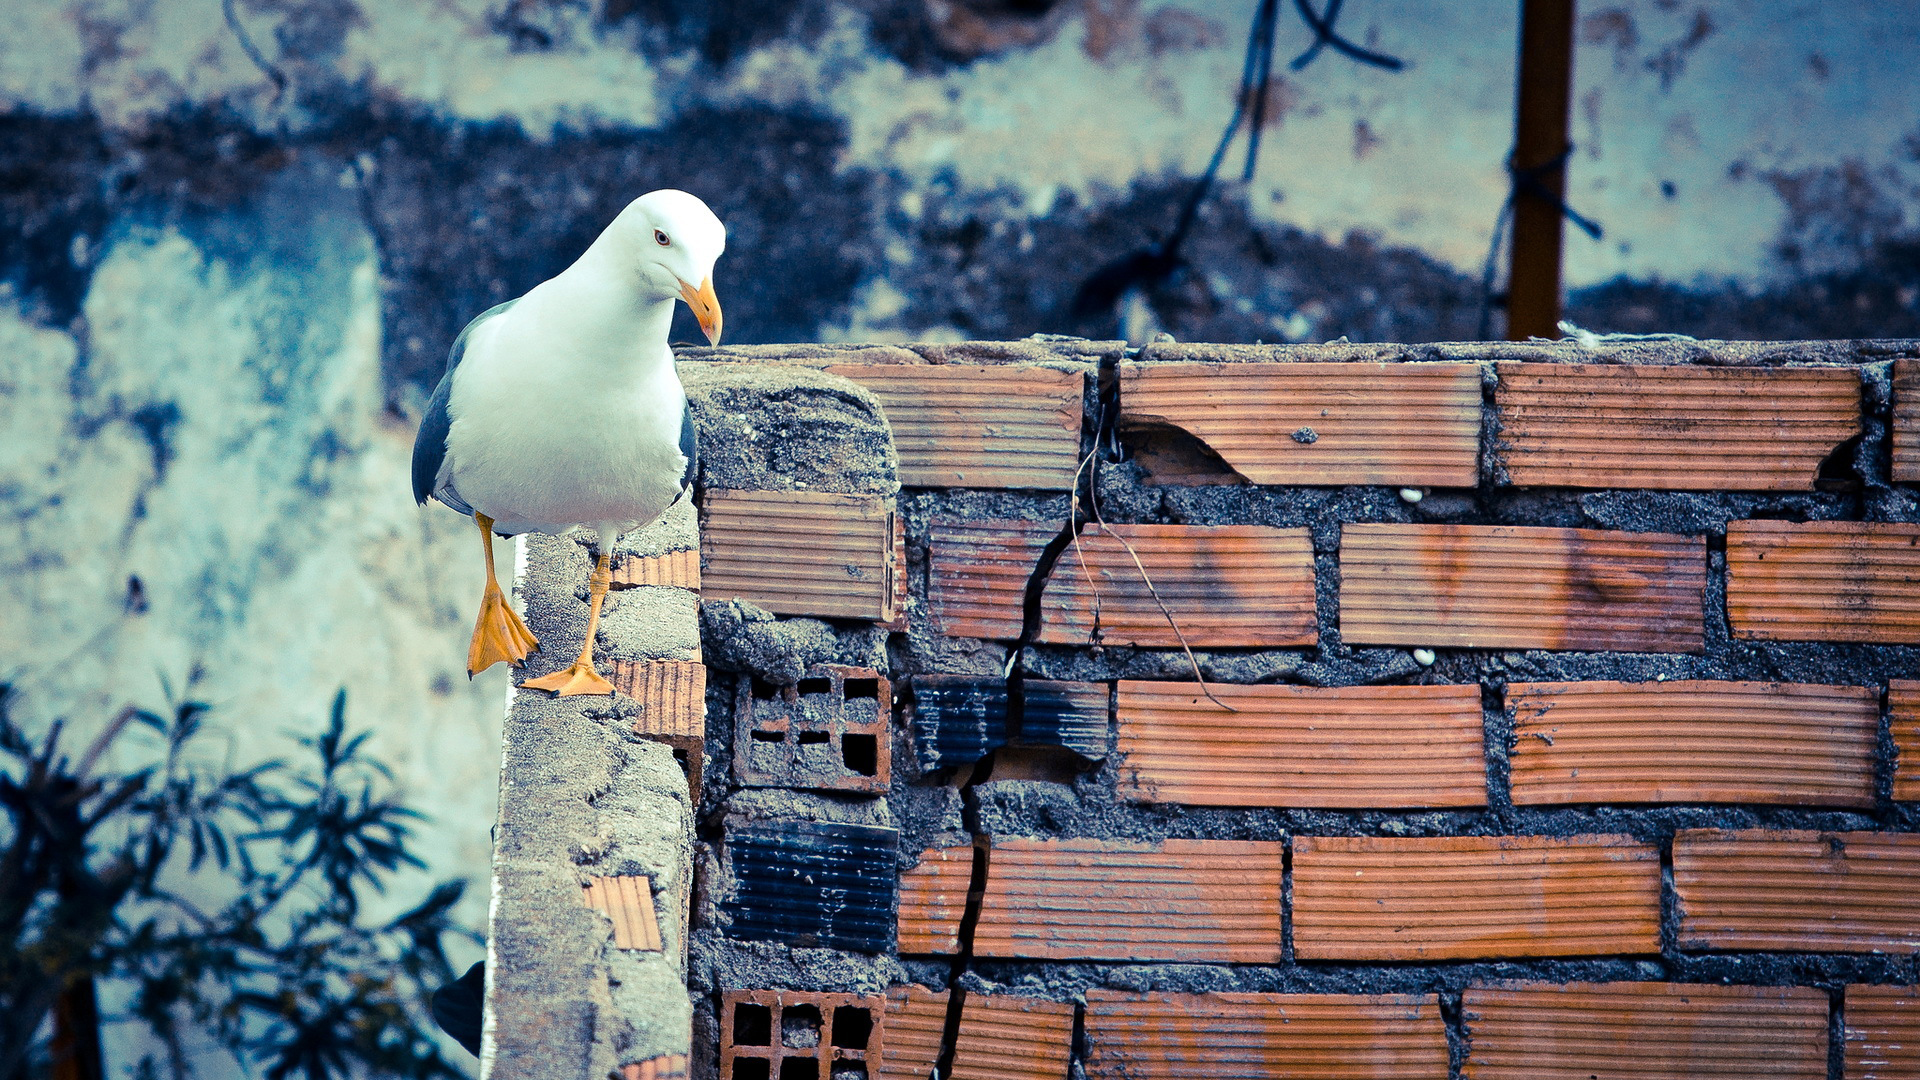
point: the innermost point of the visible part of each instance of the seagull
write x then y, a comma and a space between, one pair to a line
562, 408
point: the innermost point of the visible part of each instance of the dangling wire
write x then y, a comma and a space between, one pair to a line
1156, 261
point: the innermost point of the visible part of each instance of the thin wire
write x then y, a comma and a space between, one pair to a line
1324, 35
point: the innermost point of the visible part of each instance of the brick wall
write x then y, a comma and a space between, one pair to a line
1558, 718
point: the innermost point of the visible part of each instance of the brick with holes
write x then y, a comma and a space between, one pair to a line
827, 732
790, 1035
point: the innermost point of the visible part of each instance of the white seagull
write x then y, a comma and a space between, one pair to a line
562, 408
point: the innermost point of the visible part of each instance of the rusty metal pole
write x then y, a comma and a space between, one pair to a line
1541, 116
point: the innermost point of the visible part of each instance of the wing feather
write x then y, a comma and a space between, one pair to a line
430, 445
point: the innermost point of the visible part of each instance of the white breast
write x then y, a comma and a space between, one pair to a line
556, 424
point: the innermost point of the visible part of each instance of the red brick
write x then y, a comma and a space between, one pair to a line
1354, 747
800, 552
664, 1067
1178, 900
1683, 427
1411, 424
933, 897
674, 570
1693, 742
1824, 581
628, 901
1903, 709
1882, 1033
1001, 1037
1473, 897
1519, 587
751, 1028
1231, 585
672, 694
1264, 1037
1644, 1031
831, 731
1906, 421
1226, 586
1798, 891
979, 425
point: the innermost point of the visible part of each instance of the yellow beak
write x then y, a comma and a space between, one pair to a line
705, 305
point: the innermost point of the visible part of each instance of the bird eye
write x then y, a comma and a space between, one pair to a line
661, 238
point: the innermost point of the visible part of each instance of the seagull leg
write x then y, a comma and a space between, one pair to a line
581, 678
498, 634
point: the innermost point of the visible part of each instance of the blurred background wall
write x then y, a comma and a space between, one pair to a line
236, 240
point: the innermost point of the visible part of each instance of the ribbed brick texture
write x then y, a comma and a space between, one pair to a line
1264, 1037
1408, 424
1903, 710
933, 897
1644, 1031
1882, 1032
1516, 587
1798, 891
675, 569
1001, 1037
628, 901
1680, 428
978, 425
1368, 746
1906, 421
1691, 741
1229, 585
1824, 581
1179, 900
977, 574
672, 695
800, 552
1473, 897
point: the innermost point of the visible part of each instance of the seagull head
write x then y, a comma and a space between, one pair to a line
676, 240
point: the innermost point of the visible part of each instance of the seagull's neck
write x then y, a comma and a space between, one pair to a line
604, 307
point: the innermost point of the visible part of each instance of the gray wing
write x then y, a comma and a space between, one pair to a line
690, 447
430, 445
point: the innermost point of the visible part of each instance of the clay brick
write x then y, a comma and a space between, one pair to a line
1824, 581
813, 883
1264, 1037
1674, 428
1001, 1037
979, 425
1473, 897
1906, 421
1882, 1032
977, 574
1644, 1031
1404, 424
628, 901
1179, 900
1903, 709
1693, 742
674, 570
664, 1067
1228, 586
1355, 747
1233, 585
1798, 891
958, 719
933, 897
1519, 587
783, 1034
831, 731
672, 694
800, 552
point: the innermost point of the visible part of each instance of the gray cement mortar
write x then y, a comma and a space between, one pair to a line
582, 796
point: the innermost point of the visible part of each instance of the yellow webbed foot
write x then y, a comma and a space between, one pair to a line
499, 636
580, 678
